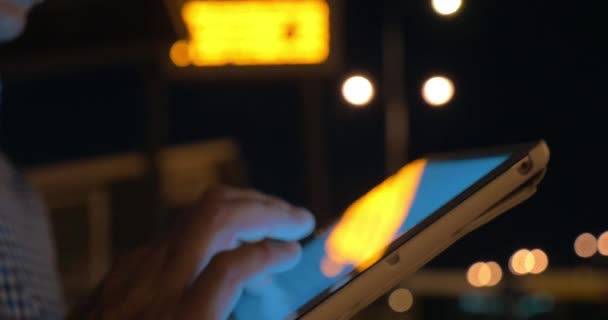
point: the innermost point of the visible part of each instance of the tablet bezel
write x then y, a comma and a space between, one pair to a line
514, 153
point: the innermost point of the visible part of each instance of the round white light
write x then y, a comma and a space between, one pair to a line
446, 7
358, 90
437, 91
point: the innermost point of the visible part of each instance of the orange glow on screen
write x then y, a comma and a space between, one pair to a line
370, 224
270, 32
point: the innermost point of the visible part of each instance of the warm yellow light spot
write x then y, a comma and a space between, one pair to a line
401, 300
370, 223
484, 275
446, 7
495, 273
585, 245
473, 274
525, 261
541, 261
358, 90
271, 32
602, 244
522, 262
329, 268
180, 53
529, 262
437, 91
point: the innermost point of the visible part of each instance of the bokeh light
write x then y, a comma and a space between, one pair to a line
258, 32
541, 261
521, 262
495, 273
180, 53
473, 275
438, 91
529, 262
446, 7
602, 244
401, 300
585, 245
358, 90
526, 261
484, 274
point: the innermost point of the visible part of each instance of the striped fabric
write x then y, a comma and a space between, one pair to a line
29, 283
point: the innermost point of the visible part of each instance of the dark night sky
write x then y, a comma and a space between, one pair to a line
523, 70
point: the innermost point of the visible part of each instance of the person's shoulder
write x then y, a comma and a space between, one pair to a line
8, 200
15, 186
17, 197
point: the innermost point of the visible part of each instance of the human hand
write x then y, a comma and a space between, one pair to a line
199, 270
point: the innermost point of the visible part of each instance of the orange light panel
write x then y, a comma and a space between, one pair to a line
369, 225
286, 32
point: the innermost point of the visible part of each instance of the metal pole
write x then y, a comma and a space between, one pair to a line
396, 108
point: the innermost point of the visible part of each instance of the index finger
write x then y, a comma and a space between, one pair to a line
231, 223
253, 220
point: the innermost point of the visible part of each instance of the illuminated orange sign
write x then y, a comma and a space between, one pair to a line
262, 32
369, 225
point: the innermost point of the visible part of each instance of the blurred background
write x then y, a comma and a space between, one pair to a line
122, 112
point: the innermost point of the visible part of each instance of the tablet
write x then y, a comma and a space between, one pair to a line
395, 228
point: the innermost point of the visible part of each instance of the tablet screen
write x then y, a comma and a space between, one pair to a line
362, 235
